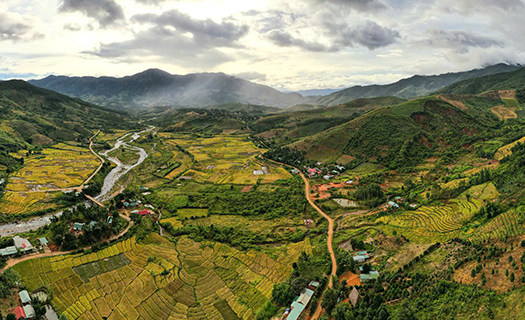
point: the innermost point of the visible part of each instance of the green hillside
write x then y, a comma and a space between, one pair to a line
31, 116
501, 81
290, 126
404, 134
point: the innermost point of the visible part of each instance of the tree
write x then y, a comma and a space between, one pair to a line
282, 294
299, 284
329, 300
367, 267
10, 316
63, 316
512, 277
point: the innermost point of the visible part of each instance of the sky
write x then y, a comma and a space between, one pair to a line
287, 44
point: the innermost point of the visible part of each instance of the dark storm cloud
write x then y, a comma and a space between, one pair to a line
106, 12
357, 5
178, 38
369, 35
460, 41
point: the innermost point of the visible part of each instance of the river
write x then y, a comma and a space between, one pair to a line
109, 182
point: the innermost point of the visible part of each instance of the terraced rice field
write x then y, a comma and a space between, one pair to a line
508, 224
505, 150
16, 202
161, 280
431, 224
60, 167
223, 159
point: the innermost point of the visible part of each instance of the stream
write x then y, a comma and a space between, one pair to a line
109, 182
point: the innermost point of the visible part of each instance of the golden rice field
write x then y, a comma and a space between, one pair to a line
16, 202
485, 191
112, 136
505, 150
60, 167
223, 159
161, 280
431, 224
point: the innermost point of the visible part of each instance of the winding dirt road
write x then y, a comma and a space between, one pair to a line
329, 244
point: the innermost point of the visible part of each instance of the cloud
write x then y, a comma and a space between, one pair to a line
250, 76
369, 35
150, 2
357, 5
178, 38
15, 30
285, 39
460, 41
466, 7
106, 12
6, 75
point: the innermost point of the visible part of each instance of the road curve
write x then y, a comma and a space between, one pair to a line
319, 309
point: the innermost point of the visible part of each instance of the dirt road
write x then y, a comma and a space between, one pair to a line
15, 261
319, 309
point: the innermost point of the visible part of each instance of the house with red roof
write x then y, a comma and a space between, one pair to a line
19, 313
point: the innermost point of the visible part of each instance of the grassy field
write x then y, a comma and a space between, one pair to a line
192, 212
159, 279
505, 150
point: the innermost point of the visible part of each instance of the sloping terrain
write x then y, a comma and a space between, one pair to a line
415, 86
402, 134
501, 81
158, 88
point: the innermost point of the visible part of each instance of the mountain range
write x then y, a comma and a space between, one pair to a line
155, 87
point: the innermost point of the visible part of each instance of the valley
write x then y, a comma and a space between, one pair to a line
374, 208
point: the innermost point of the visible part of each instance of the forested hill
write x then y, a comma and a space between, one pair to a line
501, 81
404, 134
31, 115
416, 86
158, 88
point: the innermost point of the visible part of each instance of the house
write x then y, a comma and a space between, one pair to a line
258, 172
313, 284
327, 177
364, 277
77, 226
8, 251
93, 223
305, 297
296, 311
19, 313
294, 171
359, 259
110, 220
43, 241
318, 163
354, 297
23, 245
24, 297
265, 169
349, 182
29, 312
393, 204
145, 212
135, 212
340, 168
363, 253
374, 274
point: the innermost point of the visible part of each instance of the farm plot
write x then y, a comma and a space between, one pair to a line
60, 167
16, 202
505, 150
225, 159
431, 224
508, 224
158, 279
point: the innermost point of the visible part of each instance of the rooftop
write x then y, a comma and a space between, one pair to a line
22, 243
8, 251
43, 241
29, 311
24, 296
297, 309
